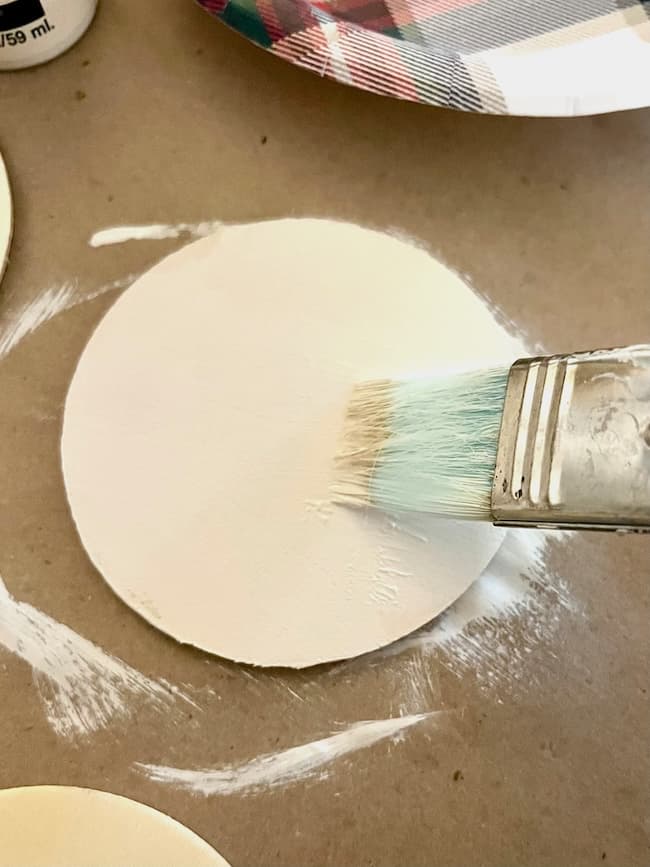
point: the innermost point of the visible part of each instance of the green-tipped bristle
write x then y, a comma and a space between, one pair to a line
426, 445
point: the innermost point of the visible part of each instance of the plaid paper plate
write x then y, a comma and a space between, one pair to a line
525, 57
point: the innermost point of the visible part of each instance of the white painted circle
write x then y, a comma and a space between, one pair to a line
61, 826
6, 217
200, 427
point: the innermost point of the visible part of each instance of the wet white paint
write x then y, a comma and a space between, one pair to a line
53, 300
285, 767
83, 688
152, 232
334, 563
516, 594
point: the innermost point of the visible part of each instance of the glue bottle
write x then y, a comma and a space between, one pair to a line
34, 31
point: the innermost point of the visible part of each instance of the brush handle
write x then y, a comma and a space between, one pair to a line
574, 447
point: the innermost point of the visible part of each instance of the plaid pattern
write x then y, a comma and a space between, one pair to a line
530, 57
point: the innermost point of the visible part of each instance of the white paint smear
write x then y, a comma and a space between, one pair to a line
152, 232
515, 606
83, 688
499, 591
51, 301
286, 766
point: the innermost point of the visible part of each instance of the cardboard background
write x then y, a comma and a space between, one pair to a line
162, 115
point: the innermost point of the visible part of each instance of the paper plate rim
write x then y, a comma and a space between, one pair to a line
527, 83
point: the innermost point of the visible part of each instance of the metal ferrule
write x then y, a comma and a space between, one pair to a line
574, 447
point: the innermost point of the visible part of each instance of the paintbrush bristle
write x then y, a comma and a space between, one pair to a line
426, 445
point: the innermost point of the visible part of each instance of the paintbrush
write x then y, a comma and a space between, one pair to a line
557, 442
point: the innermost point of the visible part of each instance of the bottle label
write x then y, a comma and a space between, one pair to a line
32, 31
18, 13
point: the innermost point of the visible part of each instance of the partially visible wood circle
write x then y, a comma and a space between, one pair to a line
6, 217
61, 826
